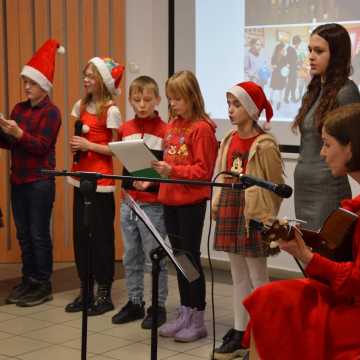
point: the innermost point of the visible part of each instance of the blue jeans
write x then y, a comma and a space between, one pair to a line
138, 242
32, 205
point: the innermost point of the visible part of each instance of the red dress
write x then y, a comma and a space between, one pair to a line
316, 318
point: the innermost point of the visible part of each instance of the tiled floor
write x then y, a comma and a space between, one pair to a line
46, 332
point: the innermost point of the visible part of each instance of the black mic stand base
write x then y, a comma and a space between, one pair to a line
88, 190
156, 256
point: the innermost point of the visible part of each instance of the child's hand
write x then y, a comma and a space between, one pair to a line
79, 143
162, 167
11, 127
141, 185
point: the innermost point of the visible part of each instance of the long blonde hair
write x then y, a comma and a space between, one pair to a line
185, 85
104, 96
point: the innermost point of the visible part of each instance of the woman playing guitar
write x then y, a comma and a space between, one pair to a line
317, 317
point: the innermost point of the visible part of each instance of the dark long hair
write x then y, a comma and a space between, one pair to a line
337, 72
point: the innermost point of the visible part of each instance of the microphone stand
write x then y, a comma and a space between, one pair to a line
88, 181
88, 190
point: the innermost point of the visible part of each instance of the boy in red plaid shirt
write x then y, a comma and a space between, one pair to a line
31, 136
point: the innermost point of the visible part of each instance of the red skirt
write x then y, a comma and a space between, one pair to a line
302, 319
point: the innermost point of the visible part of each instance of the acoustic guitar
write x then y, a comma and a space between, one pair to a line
1, 219
333, 240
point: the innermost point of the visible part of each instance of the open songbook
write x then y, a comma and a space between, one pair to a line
135, 156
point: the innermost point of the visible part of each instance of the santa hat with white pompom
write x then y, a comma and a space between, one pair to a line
41, 66
253, 99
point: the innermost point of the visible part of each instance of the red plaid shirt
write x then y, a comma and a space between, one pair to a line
35, 150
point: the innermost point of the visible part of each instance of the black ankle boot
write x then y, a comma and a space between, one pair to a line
77, 304
231, 346
103, 302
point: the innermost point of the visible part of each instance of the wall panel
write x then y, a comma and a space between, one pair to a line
86, 28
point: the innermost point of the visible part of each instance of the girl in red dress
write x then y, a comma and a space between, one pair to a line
100, 118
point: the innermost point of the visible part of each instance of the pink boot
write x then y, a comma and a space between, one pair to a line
195, 330
172, 327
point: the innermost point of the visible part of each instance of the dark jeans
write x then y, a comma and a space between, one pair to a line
184, 225
101, 262
32, 205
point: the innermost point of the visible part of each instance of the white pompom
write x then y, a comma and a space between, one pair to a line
85, 129
273, 245
61, 50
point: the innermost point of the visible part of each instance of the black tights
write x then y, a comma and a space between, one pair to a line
184, 225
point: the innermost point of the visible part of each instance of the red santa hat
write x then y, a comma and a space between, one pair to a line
253, 99
110, 71
41, 66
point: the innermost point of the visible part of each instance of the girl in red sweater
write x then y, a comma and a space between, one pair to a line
190, 150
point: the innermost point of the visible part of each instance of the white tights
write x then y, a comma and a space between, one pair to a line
247, 273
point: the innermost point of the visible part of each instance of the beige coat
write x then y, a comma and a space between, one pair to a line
265, 163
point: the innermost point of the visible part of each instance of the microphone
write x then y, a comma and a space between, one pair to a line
78, 132
282, 190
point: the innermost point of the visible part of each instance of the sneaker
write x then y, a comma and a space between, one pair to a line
130, 312
231, 347
40, 293
19, 291
161, 317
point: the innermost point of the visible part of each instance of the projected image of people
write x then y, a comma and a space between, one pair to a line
282, 65
271, 12
255, 64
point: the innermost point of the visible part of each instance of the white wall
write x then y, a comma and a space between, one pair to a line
147, 45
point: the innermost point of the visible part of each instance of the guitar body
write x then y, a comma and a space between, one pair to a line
333, 241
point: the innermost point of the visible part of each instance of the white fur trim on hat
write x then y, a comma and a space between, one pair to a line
105, 74
246, 101
37, 76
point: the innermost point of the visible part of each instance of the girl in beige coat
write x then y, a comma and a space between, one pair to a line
246, 150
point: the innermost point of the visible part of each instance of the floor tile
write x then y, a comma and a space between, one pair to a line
4, 335
56, 334
5, 316
17, 345
99, 343
131, 331
170, 344
95, 323
52, 353
203, 351
138, 352
55, 315
183, 356
21, 325
25, 311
